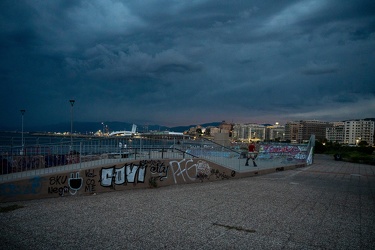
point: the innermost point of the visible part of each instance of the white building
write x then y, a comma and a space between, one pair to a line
357, 131
336, 133
249, 132
275, 132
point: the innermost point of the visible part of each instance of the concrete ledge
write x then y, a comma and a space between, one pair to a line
119, 176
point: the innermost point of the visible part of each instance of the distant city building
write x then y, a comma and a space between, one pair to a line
214, 130
348, 132
291, 131
357, 131
196, 130
301, 131
225, 127
254, 132
275, 132
336, 133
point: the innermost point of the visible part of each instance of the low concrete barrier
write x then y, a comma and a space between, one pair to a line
122, 176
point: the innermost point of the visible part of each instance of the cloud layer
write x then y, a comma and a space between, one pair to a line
187, 62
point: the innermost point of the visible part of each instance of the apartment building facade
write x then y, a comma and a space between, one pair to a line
249, 132
301, 131
275, 132
359, 130
291, 131
336, 132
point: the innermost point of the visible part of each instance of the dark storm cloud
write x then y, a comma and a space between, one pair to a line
315, 69
183, 62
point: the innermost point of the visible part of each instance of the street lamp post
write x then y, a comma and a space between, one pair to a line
71, 123
22, 140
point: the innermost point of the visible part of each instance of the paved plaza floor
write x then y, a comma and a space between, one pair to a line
328, 205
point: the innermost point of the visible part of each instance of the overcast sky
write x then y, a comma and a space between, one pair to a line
186, 62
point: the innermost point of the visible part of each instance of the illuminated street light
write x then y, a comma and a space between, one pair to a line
22, 140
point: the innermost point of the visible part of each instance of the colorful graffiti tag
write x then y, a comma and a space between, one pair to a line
33, 186
133, 173
91, 181
291, 151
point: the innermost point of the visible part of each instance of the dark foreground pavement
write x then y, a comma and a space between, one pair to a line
329, 205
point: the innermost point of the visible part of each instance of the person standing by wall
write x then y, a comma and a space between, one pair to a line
252, 154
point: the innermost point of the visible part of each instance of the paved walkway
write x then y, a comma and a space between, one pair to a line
328, 205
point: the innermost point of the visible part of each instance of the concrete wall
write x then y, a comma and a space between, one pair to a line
120, 177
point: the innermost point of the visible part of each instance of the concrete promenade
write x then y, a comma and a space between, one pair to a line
328, 205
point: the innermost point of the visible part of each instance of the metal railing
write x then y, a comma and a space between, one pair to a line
58, 154
62, 155
235, 156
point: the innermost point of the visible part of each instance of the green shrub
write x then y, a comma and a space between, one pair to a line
361, 154
359, 157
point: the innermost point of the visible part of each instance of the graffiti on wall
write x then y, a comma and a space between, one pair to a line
133, 173
187, 169
109, 177
90, 183
58, 185
33, 186
222, 175
61, 184
158, 169
129, 173
74, 183
297, 152
201, 170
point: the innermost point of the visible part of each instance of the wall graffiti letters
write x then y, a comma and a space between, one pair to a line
58, 185
189, 169
129, 173
222, 175
157, 168
58, 190
181, 168
61, 184
134, 172
106, 176
291, 151
57, 180
90, 182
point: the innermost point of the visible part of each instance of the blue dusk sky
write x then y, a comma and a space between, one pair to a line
186, 62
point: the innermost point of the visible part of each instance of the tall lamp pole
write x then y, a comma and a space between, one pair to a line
71, 123
22, 140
